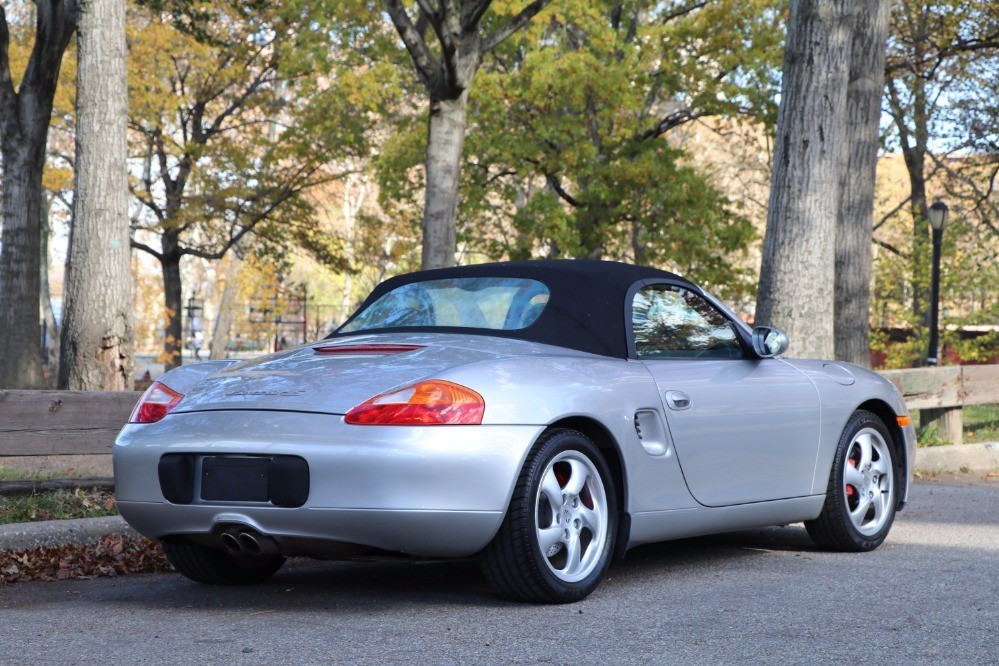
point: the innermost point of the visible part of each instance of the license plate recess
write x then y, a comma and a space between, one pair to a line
238, 479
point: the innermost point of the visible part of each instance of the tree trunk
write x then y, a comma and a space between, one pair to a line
24, 127
797, 274
443, 166
223, 319
52, 338
20, 273
98, 336
856, 210
172, 286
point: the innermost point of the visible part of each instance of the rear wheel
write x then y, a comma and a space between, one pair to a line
862, 493
214, 566
558, 535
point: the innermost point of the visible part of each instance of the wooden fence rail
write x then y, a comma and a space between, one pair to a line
940, 393
40, 423
45, 423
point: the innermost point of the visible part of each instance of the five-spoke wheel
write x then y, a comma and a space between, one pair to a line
861, 497
571, 516
558, 534
868, 482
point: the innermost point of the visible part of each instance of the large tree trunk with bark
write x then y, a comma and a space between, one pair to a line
173, 341
25, 113
797, 275
856, 211
440, 212
447, 75
98, 336
20, 272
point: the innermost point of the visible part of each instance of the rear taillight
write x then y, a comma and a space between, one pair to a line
365, 350
158, 400
433, 402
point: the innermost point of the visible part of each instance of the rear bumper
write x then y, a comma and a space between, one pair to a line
434, 491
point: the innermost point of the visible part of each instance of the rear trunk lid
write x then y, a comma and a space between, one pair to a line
309, 379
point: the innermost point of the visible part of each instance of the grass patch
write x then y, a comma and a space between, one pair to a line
980, 424
11, 474
56, 505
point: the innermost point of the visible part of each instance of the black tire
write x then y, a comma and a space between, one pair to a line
513, 562
836, 528
213, 566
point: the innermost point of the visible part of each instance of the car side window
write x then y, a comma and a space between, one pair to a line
673, 322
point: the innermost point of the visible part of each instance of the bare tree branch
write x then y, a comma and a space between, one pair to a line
891, 248
472, 13
515, 24
683, 11
891, 213
556, 184
423, 59
145, 248
668, 122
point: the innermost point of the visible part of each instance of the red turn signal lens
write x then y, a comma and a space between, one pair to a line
433, 402
155, 403
903, 420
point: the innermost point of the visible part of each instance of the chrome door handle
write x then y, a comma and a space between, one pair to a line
677, 400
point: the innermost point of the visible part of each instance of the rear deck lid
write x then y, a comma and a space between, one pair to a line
327, 377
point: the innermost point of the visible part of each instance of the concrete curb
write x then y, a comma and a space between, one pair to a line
955, 456
51, 533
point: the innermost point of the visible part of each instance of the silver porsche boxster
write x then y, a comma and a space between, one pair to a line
545, 416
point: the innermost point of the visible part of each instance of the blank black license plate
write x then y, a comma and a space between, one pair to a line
234, 479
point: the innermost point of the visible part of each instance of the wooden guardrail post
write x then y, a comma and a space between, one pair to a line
949, 422
941, 393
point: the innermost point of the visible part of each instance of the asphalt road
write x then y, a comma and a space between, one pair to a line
930, 594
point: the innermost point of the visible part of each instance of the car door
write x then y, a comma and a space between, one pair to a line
745, 429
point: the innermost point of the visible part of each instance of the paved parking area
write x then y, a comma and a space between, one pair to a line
930, 594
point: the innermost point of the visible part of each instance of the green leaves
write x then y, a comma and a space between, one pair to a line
578, 146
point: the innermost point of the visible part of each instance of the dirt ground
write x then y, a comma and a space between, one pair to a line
949, 478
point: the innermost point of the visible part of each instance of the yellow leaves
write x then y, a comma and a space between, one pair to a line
164, 64
57, 179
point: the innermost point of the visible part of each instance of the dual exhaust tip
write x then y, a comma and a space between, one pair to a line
244, 542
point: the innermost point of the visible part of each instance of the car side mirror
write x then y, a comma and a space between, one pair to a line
769, 342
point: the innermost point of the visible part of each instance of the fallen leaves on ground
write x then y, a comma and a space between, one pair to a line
111, 556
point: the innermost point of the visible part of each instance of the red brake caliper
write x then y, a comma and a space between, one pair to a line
850, 490
562, 477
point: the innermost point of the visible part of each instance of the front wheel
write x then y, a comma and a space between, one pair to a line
862, 493
558, 535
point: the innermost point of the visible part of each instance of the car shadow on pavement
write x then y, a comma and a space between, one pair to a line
374, 584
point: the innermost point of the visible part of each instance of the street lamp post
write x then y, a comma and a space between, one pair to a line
938, 219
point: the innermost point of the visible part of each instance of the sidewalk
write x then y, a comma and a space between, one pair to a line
960, 456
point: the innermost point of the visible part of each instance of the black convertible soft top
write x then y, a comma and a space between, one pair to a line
586, 309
